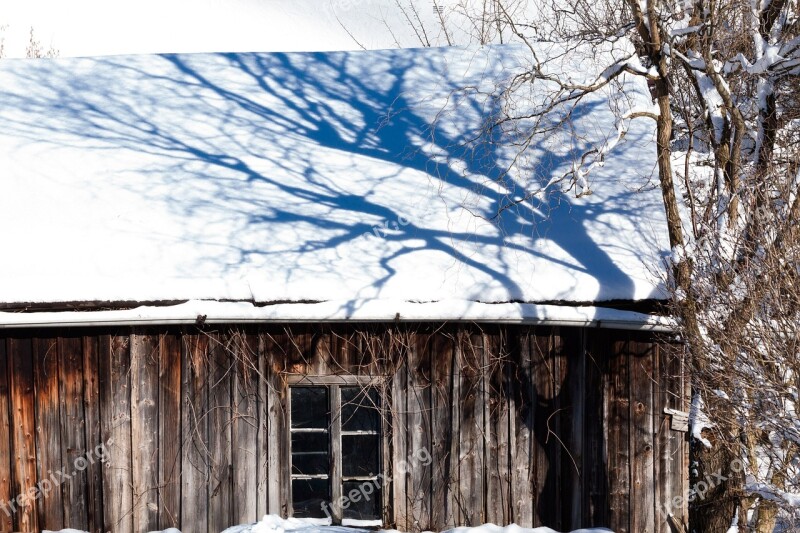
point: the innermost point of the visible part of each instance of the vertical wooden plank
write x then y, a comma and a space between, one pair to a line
571, 402
194, 413
642, 504
73, 433
454, 429
115, 421
335, 398
471, 455
353, 348
144, 429
387, 463
341, 348
493, 384
522, 411
300, 349
400, 437
660, 443
220, 500
498, 504
419, 411
543, 500
304, 347
668, 445
169, 430
245, 429
504, 438
6, 514
373, 360
48, 431
321, 352
560, 425
21, 387
277, 425
546, 426
618, 411
595, 480
94, 448
262, 446
686, 399
444, 409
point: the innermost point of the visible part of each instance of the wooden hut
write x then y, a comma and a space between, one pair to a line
304, 284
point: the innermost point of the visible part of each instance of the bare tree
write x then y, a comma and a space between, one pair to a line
724, 76
35, 49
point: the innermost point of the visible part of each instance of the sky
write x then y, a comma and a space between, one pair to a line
102, 27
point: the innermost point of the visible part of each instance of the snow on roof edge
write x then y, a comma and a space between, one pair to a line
216, 312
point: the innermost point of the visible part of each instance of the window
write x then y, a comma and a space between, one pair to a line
336, 459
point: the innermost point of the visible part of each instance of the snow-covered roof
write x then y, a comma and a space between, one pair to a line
300, 177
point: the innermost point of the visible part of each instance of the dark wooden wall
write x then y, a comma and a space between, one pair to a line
537, 426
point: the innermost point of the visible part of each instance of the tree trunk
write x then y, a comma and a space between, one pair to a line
712, 507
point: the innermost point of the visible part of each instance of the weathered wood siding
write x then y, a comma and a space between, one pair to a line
538, 426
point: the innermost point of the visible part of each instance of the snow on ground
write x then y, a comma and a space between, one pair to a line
276, 524
99, 27
310, 177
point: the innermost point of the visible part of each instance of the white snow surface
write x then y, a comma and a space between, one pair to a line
262, 177
276, 524
349, 310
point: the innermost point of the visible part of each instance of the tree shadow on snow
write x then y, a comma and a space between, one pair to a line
268, 144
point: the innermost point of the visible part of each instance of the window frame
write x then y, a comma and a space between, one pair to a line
336, 479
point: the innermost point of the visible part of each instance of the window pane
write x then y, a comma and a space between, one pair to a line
309, 407
309, 442
360, 409
308, 497
310, 454
360, 455
362, 500
310, 465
